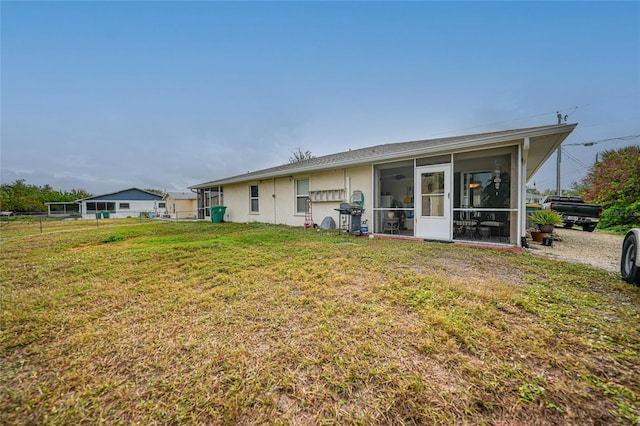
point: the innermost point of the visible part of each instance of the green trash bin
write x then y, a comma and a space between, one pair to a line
217, 213
106, 214
99, 215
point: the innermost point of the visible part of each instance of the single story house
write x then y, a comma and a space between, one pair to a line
181, 205
131, 202
461, 188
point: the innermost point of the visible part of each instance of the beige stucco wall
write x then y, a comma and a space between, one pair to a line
184, 208
277, 202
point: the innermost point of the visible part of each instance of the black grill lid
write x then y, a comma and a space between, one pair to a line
348, 208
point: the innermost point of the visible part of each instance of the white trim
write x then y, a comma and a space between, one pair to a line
523, 151
251, 198
296, 195
447, 218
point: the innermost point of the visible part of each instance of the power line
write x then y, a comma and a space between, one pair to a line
560, 150
571, 157
621, 138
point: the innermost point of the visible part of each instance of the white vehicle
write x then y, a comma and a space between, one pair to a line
630, 259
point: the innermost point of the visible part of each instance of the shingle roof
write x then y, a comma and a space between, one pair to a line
390, 151
133, 194
181, 195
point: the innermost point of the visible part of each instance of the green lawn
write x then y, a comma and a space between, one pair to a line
198, 323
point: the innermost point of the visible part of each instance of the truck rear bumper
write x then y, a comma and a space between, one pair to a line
581, 220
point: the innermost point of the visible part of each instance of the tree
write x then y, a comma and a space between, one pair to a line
75, 194
614, 182
155, 191
23, 198
580, 188
299, 155
533, 190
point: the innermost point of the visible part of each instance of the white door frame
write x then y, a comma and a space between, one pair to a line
438, 226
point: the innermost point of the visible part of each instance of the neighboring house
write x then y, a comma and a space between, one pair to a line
131, 202
462, 188
181, 205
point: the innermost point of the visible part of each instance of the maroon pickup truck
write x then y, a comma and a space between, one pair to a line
574, 211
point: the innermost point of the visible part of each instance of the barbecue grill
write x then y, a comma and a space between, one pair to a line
350, 217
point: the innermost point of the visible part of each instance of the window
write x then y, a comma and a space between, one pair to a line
124, 206
253, 197
474, 187
432, 190
162, 205
302, 192
207, 203
98, 206
482, 195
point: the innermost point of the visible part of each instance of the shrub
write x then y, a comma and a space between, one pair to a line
543, 217
621, 216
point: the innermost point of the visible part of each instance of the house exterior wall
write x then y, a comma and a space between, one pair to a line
277, 196
391, 174
135, 208
181, 209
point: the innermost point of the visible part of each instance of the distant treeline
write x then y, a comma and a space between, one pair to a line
19, 197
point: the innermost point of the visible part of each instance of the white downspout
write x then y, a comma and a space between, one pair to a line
347, 187
275, 215
522, 210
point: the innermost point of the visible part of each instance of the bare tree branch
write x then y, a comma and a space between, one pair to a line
299, 155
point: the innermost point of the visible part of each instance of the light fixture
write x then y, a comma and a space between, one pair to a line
474, 185
496, 178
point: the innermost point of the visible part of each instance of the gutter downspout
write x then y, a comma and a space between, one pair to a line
522, 223
347, 186
275, 215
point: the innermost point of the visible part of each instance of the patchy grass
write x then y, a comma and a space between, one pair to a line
249, 324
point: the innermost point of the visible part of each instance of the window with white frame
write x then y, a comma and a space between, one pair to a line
98, 206
253, 198
302, 193
124, 206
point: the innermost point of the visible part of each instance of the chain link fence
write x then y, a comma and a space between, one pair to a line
33, 223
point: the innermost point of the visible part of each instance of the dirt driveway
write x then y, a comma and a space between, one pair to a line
593, 248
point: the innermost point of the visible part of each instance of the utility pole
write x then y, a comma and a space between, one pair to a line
559, 156
558, 161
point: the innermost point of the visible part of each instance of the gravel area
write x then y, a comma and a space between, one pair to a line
575, 245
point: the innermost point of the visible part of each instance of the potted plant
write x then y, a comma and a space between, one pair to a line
546, 220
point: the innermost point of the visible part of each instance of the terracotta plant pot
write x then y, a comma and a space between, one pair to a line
537, 236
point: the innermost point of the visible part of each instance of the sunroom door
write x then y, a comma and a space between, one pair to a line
433, 202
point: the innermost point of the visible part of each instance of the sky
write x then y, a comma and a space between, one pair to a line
104, 96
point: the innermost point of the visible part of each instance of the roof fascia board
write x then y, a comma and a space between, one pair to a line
104, 195
548, 154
